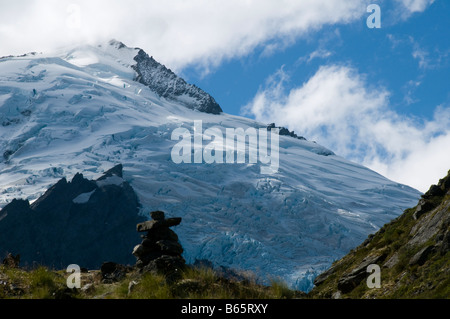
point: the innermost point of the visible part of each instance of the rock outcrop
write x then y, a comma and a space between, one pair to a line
352, 279
170, 86
84, 222
284, 131
160, 250
413, 252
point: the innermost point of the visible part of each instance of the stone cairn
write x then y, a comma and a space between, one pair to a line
159, 250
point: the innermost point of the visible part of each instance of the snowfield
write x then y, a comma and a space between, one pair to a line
82, 111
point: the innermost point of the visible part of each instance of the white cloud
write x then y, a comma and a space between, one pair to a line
415, 5
176, 32
406, 8
422, 56
409, 88
338, 108
317, 54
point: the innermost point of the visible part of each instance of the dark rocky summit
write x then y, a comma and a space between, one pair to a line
84, 222
160, 250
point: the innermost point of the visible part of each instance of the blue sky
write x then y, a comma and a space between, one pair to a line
417, 82
379, 97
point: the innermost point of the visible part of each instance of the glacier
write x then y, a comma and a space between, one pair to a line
88, 108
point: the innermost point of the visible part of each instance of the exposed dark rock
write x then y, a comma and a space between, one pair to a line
169, 86
320, 279
115, 171
351, 280
113, 272
170, 247
17, 206
421, 257
434, 190
440, 189
82, 222
423, 207
284, 131
368, 240
391, 262
155, 224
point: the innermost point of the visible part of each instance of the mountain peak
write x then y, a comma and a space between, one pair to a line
170, 86
156, 76
117, 44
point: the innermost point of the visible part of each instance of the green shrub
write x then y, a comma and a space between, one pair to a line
43, 283
280, 290
151, 286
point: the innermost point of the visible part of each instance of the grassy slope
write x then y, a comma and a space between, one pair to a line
42, 283
396, 241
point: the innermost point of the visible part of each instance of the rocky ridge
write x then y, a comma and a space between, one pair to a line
84, 222
169, 86
413, 252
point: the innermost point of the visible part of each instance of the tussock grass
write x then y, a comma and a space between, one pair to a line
192, 283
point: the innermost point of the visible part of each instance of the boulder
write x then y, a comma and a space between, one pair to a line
421, 257
423, 207
113, 272
320, 279
154, 224
170, 247
351, 280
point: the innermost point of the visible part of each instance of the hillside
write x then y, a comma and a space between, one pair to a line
413, 252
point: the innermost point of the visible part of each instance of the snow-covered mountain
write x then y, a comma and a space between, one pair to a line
91, 107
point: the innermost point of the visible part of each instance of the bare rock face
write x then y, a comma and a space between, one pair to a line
169, 86
160, 250
84, 222
351, 280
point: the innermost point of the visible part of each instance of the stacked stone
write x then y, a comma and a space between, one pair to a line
159, 250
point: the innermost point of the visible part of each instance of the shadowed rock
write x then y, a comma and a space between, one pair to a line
159, 250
